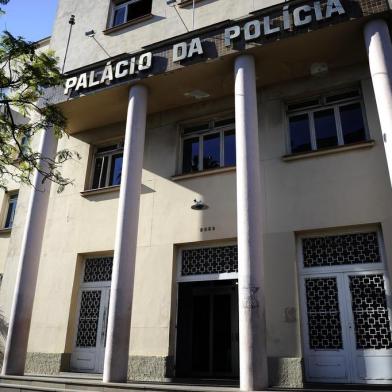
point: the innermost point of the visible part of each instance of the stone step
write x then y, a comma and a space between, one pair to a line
93, 384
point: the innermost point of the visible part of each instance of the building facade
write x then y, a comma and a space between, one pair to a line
230, 214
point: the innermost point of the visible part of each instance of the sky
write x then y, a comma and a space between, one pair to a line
31, 19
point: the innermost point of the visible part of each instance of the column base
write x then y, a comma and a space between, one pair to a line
47, 363
143, 368
285, 372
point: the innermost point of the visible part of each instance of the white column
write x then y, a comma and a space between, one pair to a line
26, 279
119, 320
252, 330
379, 49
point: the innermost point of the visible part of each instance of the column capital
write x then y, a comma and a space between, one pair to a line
379, 50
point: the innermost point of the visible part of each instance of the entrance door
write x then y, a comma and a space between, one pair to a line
207, 330
347, 327
92, 314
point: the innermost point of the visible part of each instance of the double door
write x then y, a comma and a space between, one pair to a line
347, 327
207, 330
89, 349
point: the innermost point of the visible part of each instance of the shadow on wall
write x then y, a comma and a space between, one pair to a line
3, 335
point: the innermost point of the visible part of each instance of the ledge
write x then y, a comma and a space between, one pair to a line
127, 24
5, 231
327, 151
203, 173
100, 191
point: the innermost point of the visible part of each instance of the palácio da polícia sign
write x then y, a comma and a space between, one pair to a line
286, 19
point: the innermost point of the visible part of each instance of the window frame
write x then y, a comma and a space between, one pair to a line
321, 106
119, 149
11, 201
116, 5
200, 134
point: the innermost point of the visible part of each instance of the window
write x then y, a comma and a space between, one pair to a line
107, 166
209, 145
10, 211
326, 121
126, 11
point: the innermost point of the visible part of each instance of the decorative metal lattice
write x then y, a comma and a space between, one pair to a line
371, 318
98, 269
88, 319
217, 260
358, 248
325, 331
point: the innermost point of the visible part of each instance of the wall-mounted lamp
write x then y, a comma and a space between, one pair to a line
199, 205
319, 69
90, 33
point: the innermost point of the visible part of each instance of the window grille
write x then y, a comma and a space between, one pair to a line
204, 261
371, 318
325, 330
357, 248
88, 319
98, 269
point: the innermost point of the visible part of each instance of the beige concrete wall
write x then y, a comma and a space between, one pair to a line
337, 190
164, 24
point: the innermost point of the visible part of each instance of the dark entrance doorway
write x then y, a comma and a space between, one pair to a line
207, 330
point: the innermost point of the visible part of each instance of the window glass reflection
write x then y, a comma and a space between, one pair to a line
211, 151
325, 128
300, 133
229, 148
190, 161
115, 172
353, 127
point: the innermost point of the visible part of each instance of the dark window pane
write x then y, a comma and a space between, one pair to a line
222, 123
340, 97
229, 148
9, 221
100, 170
221, 332
196, 128
325, 126
300, 133
211, 151
352, 123
201, 333
119, 16
190, 160
304, 104
115, 171
107, 149
138, 9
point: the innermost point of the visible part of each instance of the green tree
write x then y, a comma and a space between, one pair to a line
26, 74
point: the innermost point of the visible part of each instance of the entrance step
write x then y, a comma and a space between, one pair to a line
92, 383
336, 388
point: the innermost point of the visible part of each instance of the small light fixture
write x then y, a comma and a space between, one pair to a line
90, 33
199, 205
197, 94
319, 69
